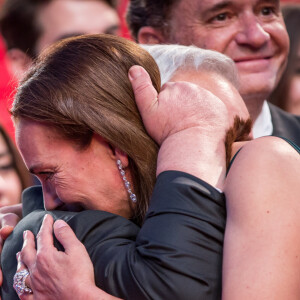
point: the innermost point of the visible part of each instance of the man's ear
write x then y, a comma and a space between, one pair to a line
18, 63
150, 35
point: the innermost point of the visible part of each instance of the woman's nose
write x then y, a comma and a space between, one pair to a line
51, 201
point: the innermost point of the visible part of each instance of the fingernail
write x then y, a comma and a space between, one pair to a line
59, 224
24, 234
46, 217
134, 72
17, 255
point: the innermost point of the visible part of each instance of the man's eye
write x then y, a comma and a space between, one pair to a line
221, 17
267, 11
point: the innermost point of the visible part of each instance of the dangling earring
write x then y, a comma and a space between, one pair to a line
126, 182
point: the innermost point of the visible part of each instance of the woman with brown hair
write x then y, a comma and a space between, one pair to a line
90, 150
80, 110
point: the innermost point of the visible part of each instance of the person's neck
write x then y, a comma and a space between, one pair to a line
254, 105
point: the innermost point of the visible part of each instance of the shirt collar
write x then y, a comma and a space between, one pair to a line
263, 125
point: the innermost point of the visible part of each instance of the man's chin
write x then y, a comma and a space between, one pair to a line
256, 86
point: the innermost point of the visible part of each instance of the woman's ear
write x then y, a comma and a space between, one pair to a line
114, 152
122, 156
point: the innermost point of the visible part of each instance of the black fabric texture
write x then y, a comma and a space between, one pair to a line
285, 124
177, 254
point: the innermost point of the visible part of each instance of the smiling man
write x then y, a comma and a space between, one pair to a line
251, 32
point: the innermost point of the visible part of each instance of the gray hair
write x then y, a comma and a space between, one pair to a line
171, 58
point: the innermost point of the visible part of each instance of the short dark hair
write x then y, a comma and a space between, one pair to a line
154, 13
19, 26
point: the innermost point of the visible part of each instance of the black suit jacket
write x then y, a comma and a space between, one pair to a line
285, 125
177, 253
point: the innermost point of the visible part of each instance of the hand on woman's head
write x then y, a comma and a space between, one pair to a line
178, 107
183, 119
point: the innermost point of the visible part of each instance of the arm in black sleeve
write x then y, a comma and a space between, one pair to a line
178, 251
177, 254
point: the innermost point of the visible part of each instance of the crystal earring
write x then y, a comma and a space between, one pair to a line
126, 182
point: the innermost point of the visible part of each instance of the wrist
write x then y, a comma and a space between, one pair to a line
195, 151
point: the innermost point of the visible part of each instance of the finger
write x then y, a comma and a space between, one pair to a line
66, 236
144, 92
26, 296
21, 266
15, 209
5, 232
45, 236
28, 252
9, 219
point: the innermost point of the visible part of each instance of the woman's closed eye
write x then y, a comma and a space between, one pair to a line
45, 175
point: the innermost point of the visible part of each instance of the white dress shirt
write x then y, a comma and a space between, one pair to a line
263, 125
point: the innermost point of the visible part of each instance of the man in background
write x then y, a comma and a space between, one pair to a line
251, 32
29, 26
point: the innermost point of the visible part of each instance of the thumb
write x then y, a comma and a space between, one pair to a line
65, 235
144, 92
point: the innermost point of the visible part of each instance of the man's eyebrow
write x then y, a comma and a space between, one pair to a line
225, 4
269, 1
218, 7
